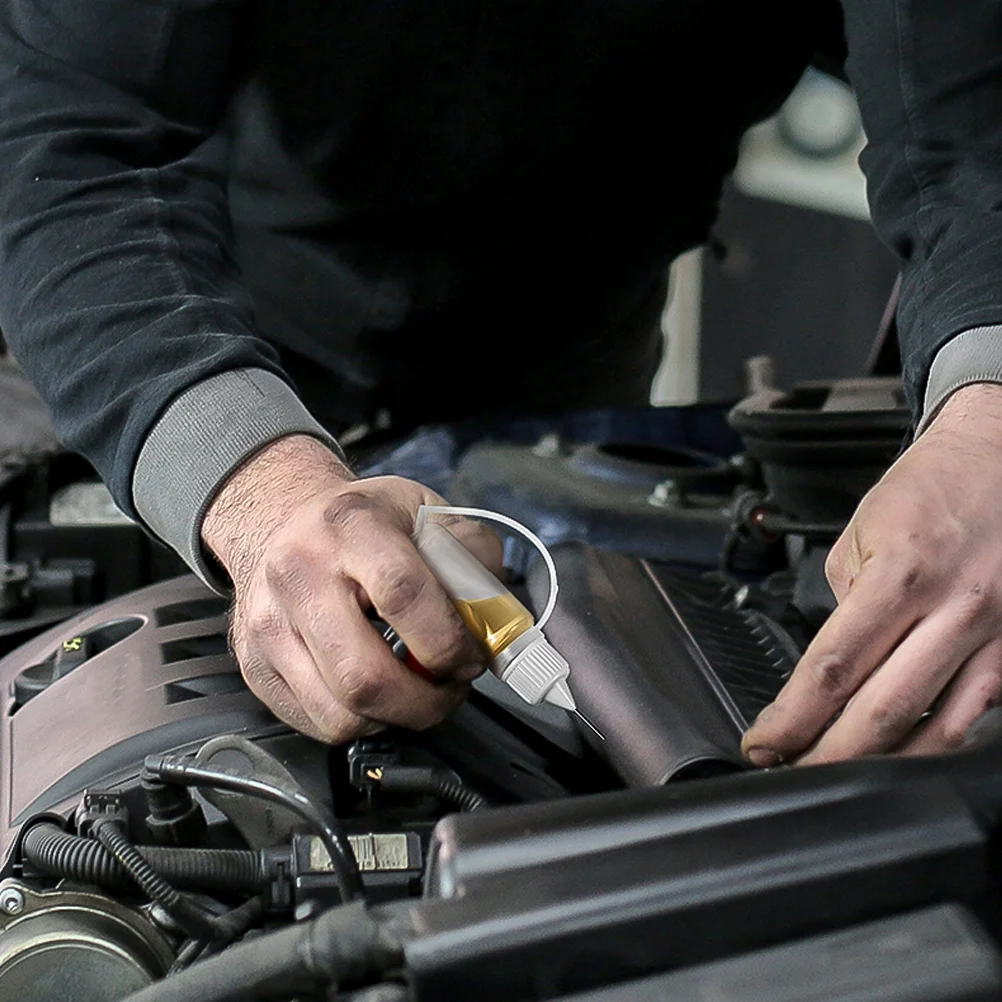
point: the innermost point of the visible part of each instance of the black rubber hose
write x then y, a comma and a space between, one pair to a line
188, 917
345, 944
234, 923
435, 782
48, 848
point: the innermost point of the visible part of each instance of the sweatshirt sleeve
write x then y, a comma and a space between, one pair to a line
119, 293
928, 74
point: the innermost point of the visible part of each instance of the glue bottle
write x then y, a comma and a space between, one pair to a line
517, 650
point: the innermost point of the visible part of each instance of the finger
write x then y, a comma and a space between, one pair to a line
877, 612
357, 666
272, 690
331, 723
975, 690
481, 541
377, 553
892, 700
262, 679
279, 670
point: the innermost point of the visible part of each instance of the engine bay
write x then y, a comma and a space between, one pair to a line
156, 820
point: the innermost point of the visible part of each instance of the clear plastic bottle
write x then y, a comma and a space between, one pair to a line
518, 652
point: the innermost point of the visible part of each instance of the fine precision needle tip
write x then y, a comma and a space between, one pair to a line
577, 713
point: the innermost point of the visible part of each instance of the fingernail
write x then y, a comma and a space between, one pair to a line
764, 758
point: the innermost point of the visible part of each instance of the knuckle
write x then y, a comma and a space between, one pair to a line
987, 695
264, 620
337, 725
909, 571
347, 511
911, 577
359, 687
397, 590
891, 718
832, 674
450, 646
268, 685
977, 602
456, 649
286, 566
952, 736
991, 693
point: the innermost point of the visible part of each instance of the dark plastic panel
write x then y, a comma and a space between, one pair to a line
167, 682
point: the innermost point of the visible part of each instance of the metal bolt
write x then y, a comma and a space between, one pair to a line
549, 446
11, 901
667, 494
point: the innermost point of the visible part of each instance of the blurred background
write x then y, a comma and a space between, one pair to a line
795, 273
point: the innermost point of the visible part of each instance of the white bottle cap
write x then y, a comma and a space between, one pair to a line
535, 670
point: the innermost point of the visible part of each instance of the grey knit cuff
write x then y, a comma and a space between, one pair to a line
972, 357
200, 439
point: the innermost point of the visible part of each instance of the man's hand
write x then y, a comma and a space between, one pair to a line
310, 548
918, 578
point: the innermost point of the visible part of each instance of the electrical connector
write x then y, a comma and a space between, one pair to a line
100, 805
366, 759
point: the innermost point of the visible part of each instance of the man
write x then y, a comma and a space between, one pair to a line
440, 209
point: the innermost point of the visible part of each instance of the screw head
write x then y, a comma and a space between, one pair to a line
665, 495
11, 901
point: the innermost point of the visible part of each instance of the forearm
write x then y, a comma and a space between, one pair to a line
928, 74
118, 287
119, 291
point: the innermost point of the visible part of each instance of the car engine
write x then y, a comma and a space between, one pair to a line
164, 838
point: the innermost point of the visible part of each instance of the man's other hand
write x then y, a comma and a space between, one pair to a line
310, 549
918, 578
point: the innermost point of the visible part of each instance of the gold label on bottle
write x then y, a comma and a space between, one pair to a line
495, 621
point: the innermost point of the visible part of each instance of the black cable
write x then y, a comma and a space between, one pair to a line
230, 926
779, 525
234, 923
49, 849
191, 919
169, 769
348, 944
434, 782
